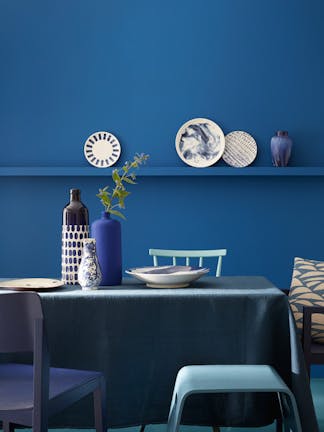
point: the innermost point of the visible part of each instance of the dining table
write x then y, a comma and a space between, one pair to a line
140, 337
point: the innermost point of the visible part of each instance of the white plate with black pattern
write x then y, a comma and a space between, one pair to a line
102, 149
200, 142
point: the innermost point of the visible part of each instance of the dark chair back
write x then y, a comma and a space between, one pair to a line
19, 313
22, 330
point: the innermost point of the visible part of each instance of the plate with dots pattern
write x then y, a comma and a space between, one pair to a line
102, 149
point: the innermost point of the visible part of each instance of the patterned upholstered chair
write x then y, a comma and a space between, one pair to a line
306, 297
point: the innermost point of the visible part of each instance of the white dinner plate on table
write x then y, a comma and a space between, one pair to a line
31, 284
167, 276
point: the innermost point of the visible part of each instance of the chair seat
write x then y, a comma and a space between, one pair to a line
16, 384
228, 378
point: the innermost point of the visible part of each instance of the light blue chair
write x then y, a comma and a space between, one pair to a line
231, 379
187, 254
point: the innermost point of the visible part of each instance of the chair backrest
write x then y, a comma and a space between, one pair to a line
22, 330
187, 254
18, 313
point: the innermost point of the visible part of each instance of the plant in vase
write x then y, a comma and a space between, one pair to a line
107, 231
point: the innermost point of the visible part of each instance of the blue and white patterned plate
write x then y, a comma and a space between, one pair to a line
200, 143
168, 276
102, 149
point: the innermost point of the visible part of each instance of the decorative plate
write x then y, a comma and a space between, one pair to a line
240, 149
167, 276
32, 284
102, 149
200, 142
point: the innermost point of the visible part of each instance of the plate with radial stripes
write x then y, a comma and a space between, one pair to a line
102, 149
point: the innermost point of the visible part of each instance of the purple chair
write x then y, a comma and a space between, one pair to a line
29, 394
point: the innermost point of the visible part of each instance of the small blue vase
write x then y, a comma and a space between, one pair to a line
281, 145
107, 232
89, 274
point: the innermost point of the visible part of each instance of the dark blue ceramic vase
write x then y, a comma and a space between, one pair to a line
107, 232
281, 145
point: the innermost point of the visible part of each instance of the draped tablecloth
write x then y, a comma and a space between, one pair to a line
140, 337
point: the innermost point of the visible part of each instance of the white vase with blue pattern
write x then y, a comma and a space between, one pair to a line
89, 275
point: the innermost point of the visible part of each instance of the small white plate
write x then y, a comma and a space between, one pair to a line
200, 142
168, 276
32, 284
102, 149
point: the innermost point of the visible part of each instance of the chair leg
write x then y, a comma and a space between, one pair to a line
8, 427
279, 425
175, 413
216, 429
40, 421
41, 426
142, 429
296, 419
291, 420
100, 406
308, 366
279, 421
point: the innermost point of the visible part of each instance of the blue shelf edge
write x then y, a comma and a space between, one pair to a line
161, 171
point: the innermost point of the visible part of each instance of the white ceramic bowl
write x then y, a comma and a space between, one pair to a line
168, 276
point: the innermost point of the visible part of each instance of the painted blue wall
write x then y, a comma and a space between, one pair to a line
140, 69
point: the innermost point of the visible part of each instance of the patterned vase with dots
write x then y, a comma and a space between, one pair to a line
75, 228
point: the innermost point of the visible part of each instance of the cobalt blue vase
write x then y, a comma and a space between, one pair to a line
107, 232
281, 145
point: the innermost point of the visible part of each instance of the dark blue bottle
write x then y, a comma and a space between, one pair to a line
75, 228
107, 232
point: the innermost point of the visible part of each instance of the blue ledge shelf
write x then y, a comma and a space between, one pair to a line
162, 171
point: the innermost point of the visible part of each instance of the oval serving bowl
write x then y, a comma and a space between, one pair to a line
167, 276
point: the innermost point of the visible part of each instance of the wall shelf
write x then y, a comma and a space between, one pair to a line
178, 171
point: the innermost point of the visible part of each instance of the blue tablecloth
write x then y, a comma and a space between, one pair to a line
140, 337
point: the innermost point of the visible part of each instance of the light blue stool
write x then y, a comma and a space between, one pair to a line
232, 379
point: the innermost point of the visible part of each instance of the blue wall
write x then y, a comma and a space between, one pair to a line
140, 69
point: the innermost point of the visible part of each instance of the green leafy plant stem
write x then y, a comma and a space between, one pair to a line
121, 176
